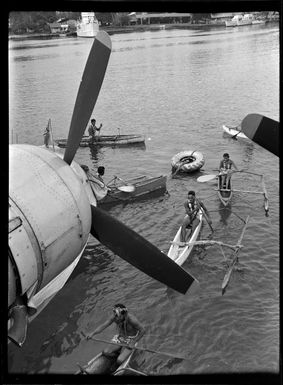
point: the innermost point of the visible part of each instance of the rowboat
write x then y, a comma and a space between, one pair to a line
225, 195
143, 185
106, 140
179, 253
100, 364
232, 131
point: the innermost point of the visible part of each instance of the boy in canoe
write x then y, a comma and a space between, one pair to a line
191, 220
129, 329
225, 170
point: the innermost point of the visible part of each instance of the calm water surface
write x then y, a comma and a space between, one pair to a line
177, 88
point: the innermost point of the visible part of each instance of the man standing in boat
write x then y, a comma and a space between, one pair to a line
225, 171
129, 329
92, 129
192, 219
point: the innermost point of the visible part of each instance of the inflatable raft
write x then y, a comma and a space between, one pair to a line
187, 161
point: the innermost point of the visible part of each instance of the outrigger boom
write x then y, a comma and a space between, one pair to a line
264, 192
236, 249
207, 242
229, 272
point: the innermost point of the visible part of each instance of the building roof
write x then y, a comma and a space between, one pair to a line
144, 15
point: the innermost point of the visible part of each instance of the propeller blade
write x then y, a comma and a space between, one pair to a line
137, 251
88, 92
262, 130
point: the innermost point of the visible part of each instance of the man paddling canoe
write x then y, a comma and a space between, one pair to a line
130, 330
225, 170
191, 220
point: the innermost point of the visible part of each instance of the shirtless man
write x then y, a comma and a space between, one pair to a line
192, 206
129, 329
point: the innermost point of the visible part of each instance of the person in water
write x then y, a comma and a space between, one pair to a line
192, 219
100, 173
225, 171
92, 129
129, 329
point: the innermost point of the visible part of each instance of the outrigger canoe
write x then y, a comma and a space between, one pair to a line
100, 364
106, 140
180, 254
143, 185
225, 195
233, 131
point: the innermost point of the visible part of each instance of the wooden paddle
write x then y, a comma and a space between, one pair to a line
205, 215
139, 348
206, 178
209, 177
127, 188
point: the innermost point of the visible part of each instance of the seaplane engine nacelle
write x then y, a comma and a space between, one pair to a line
49, 225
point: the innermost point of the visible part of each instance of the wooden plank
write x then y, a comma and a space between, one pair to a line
206, 242
251, 192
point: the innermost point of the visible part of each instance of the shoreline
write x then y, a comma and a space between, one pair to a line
127, 29
113, 30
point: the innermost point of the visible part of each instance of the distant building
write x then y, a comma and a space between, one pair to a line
62, 26
159, 18
223, 16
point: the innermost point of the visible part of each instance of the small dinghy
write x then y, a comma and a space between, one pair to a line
132, 189
233, 131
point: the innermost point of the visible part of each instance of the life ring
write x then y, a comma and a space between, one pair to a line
195, 160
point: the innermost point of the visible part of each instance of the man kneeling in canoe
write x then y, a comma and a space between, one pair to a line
130, 330
191, 220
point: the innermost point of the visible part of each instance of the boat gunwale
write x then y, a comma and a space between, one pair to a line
118, 196
225, 200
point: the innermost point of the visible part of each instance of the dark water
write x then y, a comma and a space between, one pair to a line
177, 88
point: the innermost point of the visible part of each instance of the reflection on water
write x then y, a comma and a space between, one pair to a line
177, 88
224, 213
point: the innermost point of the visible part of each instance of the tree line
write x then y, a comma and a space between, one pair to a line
37, 22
